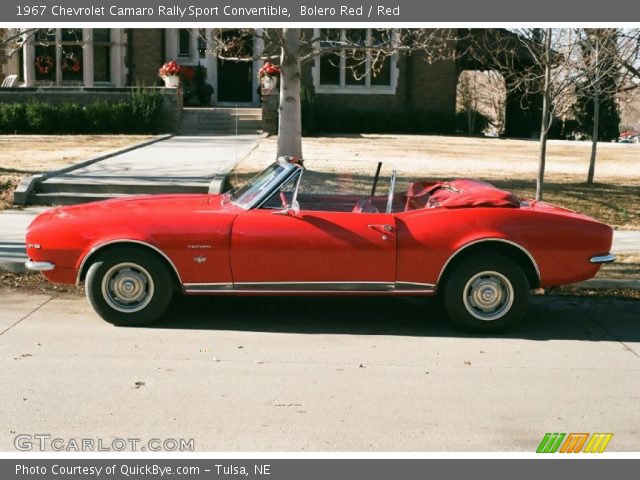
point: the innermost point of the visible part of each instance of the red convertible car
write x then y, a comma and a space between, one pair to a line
480, 248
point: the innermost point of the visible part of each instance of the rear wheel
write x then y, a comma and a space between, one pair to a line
486, 293
129, 286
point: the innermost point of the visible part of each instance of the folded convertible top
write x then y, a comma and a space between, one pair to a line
458, 194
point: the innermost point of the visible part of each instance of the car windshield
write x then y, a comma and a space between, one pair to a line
245, 195
323, 188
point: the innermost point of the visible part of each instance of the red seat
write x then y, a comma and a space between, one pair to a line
364, 205
418, 195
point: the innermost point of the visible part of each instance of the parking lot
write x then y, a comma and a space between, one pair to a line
309, 374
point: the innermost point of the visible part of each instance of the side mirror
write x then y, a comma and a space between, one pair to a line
292, 211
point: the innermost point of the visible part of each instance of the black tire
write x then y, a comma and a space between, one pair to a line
129, 286
486, 293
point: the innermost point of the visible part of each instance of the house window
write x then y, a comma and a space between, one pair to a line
101, 55
184, 42
73, 56
58, 55
71, 64
350, 63
45, 59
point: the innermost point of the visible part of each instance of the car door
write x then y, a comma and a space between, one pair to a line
313, 251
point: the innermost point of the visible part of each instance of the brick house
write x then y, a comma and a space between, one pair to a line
406, 91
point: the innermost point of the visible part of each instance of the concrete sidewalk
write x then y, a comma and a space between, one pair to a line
185, 164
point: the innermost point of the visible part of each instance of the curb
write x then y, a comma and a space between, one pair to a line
607, 284
12, 257
26, 186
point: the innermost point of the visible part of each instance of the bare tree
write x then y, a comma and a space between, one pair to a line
536, 62
12, 39
598, 59
293, 47
482, 93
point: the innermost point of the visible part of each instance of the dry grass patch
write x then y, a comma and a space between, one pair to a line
25, 155
35, 283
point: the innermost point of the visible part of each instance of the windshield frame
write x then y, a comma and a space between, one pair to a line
288, 170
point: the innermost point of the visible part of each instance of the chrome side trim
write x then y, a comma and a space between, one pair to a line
125, 240
475, 242
39, 266
608, 258
315, 286
208, 287
414, 286
309, 287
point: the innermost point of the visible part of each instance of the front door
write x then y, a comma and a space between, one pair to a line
235, 78
314, 251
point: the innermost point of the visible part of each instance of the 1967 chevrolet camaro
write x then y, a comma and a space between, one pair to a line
480, 248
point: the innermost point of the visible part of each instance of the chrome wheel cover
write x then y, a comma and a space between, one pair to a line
127, 287
488, 295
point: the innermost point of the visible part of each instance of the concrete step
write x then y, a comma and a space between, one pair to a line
224, 110
212, 121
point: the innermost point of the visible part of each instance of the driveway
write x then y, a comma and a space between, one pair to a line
308, 374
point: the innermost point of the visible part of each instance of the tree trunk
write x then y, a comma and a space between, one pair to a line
596, 134
596, 117
546, 116
290, 121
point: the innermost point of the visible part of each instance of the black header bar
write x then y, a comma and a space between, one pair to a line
332, 11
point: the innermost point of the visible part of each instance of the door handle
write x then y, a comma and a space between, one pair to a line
386, 228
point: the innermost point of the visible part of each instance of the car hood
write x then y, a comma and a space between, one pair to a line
144, 205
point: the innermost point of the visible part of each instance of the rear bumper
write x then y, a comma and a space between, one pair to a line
39, 266
608, 258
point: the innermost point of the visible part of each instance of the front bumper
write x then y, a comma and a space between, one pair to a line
39, 266
608, 258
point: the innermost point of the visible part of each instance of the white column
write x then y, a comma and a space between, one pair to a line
171, 44
58, 80
87, 57
118, 69
211, 64
28, 62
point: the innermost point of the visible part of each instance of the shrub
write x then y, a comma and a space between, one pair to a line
41, 117
141, 113
121, 119
12, 118
98, 115
146, 109
71, 118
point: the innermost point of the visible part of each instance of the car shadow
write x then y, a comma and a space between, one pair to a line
548, 318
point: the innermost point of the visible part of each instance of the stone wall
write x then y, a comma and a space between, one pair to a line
171, 98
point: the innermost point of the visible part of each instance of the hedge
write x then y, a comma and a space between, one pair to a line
375, 121
141, 113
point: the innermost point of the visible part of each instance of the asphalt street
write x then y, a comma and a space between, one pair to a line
309, 374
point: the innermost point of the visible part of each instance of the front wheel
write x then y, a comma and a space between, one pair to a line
129, 286
486, 293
